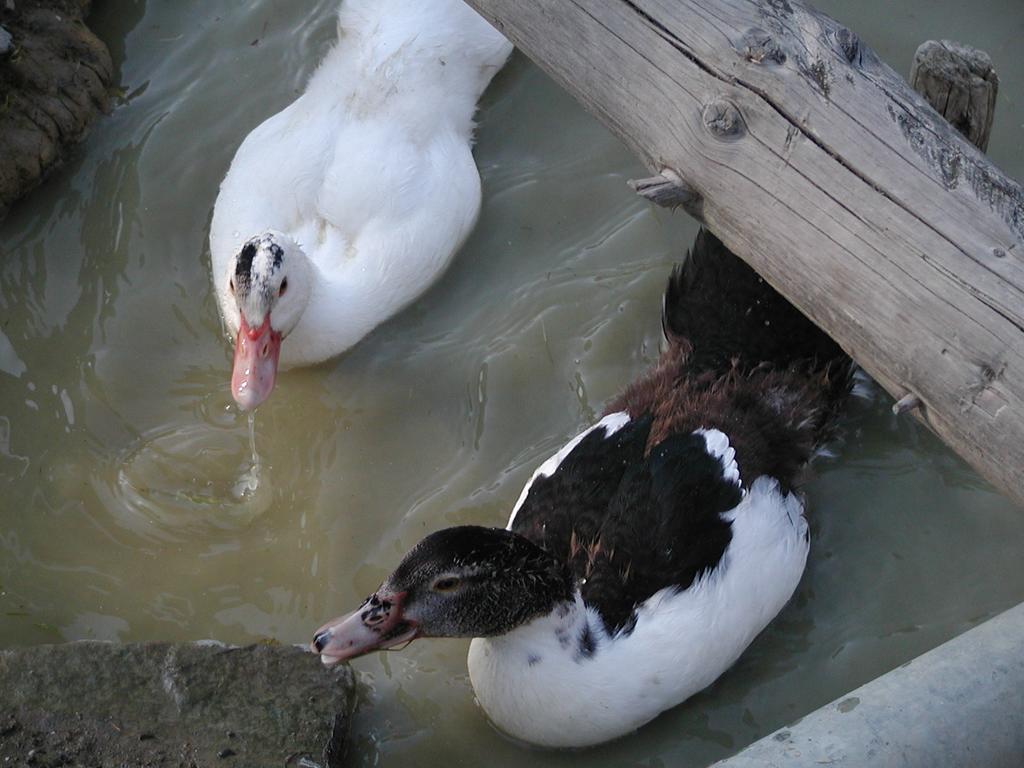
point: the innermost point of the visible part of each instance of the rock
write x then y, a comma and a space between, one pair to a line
6, 42
163, 704
54, 81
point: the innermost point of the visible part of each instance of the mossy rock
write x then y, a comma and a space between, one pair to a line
55, 76
171, 704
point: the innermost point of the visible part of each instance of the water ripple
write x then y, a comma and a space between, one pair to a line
181, 480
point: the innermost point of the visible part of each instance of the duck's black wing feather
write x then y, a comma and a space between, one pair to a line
582, 485
664, 528
630, 523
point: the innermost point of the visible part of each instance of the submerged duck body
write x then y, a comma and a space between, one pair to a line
342, 208
644, 557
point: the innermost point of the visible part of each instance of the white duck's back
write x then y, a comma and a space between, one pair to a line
425, 60
370, 171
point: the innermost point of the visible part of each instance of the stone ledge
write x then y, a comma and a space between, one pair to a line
171, 704
961, 704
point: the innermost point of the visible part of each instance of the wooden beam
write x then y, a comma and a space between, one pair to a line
823, 169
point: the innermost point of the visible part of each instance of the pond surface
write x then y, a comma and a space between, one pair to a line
126, 514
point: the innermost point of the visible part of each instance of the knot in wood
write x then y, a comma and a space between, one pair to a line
820, 74
780, 7
724, 120
760, 47
849, 44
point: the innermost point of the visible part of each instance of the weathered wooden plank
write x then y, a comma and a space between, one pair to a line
960, 84
821, 167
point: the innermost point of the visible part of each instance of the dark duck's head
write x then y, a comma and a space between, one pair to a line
269, 283
467, 581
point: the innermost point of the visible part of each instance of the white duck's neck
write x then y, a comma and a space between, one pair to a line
344, 306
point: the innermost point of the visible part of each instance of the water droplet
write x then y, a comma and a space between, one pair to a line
179, 481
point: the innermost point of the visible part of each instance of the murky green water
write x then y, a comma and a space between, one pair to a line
120, 457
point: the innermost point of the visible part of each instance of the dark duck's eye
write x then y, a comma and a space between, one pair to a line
446, 584
283, 288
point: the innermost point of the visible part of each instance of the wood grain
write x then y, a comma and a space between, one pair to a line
818, 165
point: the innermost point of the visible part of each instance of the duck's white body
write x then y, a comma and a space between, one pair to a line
370, 171
535, 683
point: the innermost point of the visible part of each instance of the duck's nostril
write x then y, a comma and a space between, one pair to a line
321, 640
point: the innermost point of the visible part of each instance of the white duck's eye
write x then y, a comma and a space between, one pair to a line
231, 285
446, 584
283, 288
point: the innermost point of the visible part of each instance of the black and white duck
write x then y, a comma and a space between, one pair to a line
644, 557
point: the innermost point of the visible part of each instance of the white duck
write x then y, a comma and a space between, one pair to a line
643, 557
341, 209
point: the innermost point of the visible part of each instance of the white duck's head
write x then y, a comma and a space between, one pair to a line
268, 288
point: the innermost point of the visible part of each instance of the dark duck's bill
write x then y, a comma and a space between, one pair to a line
378, 624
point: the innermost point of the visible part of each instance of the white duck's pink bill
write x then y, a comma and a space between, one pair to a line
255, 368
